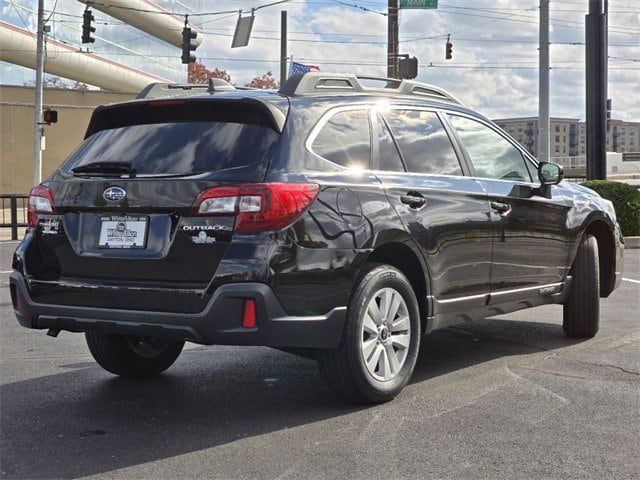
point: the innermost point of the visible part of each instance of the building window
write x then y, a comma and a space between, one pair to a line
557, 138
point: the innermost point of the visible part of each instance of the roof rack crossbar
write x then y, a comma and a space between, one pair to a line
318, 83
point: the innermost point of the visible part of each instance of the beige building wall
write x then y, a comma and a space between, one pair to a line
623, 136
568, 135
561, 137
16, 130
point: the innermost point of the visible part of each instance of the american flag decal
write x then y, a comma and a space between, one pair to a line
296, 68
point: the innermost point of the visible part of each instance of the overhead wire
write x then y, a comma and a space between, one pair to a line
182, 14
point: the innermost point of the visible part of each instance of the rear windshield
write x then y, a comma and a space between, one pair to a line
178, 148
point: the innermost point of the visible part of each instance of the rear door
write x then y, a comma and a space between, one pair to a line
124, 202
529, 230
446, 212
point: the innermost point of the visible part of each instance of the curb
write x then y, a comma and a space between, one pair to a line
631, 242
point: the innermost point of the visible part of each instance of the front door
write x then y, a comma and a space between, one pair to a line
529, 230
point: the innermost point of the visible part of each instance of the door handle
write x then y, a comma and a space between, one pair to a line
502, 208
413, 199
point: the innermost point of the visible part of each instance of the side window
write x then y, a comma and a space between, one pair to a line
390, 160
423, 141
491, 154
345, 139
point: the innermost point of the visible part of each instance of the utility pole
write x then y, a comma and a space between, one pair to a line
38, 129
596, 78
544, 123
392, 33
283, 47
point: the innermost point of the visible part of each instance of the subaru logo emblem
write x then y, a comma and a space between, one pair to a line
114, 194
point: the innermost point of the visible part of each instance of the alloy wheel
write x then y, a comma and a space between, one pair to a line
386, 334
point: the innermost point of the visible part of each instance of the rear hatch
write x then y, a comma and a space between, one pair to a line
124, 232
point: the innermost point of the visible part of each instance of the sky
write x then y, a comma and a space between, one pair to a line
495, 55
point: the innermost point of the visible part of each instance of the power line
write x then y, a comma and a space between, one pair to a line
20, 15
574, 24
359, 7
183, 14
520, 65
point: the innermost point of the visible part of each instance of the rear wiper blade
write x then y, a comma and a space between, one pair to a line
116, 168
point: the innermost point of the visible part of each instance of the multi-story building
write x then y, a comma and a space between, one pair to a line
568, 135
623, 136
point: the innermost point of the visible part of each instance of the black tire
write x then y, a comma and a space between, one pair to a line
344, 368
581, 312
130, 356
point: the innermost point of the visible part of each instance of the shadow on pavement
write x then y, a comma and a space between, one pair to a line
84, 422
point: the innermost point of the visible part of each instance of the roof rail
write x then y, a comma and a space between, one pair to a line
160, 90
318, 83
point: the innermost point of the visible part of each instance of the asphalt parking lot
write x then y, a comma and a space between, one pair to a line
509, 397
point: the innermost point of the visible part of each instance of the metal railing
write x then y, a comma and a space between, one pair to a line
578, 161
14, 213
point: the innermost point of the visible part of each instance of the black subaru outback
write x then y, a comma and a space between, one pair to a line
329, 218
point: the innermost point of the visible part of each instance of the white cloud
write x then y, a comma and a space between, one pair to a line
494, 69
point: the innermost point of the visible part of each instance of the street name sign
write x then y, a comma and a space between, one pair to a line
418, 3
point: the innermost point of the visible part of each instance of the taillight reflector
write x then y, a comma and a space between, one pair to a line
258, 206
40, 201
249, 314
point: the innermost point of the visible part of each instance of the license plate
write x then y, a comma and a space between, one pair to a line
123, 232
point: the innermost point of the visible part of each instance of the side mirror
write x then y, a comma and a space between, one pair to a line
550, 173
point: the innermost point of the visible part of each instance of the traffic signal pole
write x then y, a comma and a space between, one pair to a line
283, 47
38, 129
596, 79
393, 40
544, 123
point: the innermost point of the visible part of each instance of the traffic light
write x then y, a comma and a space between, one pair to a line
408, 67
87, 29
449, 51
187, 47
50, 116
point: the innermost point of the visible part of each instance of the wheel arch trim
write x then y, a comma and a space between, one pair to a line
381, 253
604, 230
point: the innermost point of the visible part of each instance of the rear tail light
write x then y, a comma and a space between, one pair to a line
40, 201
259, 206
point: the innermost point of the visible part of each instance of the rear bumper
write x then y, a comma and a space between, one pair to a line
219, 323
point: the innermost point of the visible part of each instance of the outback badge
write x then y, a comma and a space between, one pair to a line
114, 194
